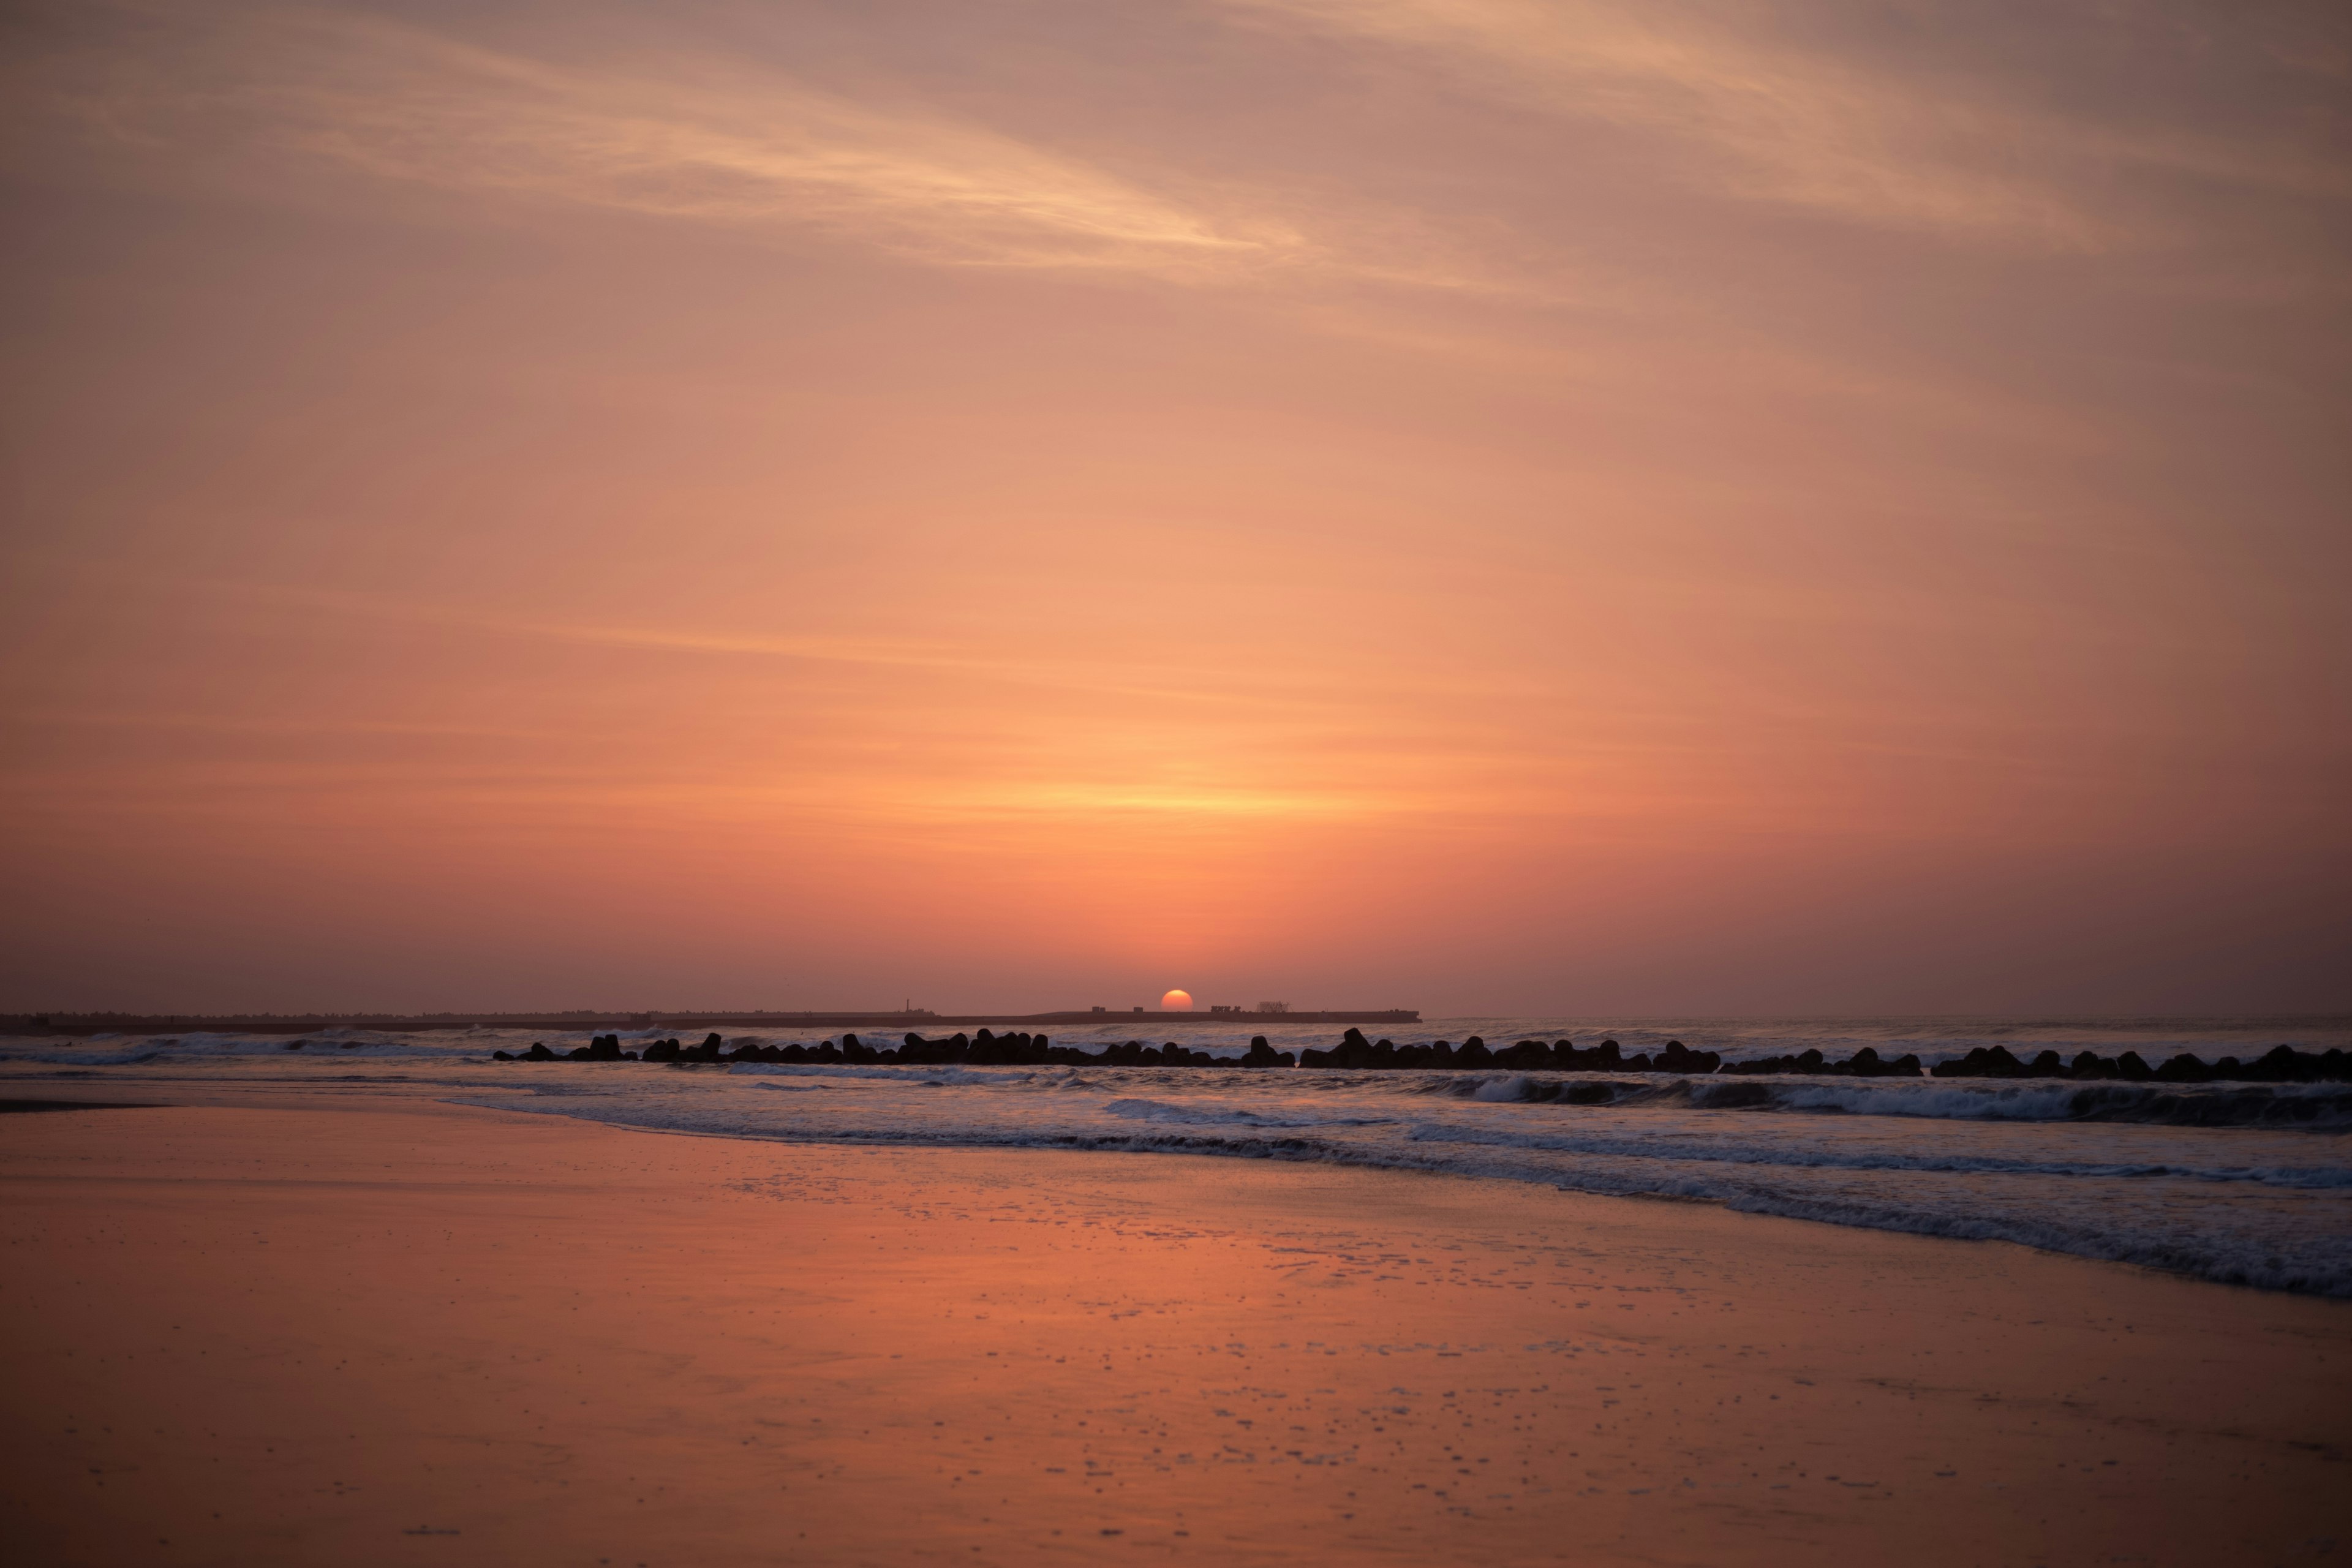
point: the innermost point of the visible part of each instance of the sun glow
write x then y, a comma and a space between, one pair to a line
1176, 1002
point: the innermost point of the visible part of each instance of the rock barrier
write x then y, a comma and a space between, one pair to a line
1354, 1052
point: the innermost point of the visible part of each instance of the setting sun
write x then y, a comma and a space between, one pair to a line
1176, 1002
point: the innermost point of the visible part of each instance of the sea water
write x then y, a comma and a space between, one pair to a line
2237, 1183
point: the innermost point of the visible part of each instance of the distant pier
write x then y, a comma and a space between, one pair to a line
556, 1023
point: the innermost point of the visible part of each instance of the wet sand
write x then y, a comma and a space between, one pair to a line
377, 1331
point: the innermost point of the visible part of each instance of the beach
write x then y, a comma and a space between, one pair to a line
251, 1324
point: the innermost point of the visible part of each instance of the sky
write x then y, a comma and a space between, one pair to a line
1487, 505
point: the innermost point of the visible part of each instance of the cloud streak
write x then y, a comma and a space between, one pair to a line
1765, 121
677, 138
1199, 681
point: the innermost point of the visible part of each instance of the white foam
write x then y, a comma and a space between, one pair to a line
1214, 1116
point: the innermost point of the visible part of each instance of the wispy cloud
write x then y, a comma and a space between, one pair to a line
682, 138
248, 724
1765, 120
1201, 680
728, 140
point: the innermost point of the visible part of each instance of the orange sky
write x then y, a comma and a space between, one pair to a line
1481, 505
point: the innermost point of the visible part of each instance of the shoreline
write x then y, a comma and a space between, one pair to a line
2248, 1200
333, 1322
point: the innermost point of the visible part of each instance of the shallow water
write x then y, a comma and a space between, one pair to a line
2240, 1183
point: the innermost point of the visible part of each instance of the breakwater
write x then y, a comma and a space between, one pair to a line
1355, 1053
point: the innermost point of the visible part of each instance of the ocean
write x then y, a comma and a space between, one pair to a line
2236, 1183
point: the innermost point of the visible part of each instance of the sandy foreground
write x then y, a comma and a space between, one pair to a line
386, 1331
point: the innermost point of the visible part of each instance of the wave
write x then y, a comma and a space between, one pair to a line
2312, 1107
133, 1058
1816, 1157
935, 1075
2321, 1107
1209, 1116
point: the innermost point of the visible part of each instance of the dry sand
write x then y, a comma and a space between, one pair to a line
406, 1333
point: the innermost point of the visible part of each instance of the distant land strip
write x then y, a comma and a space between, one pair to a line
312, 1023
